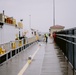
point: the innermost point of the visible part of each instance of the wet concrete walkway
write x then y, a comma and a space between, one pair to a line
47, 60
50, 64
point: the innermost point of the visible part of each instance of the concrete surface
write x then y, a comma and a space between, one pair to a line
49, 60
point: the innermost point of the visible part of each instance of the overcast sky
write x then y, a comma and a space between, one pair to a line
41, 12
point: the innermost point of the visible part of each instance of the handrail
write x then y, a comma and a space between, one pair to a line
72, 36
66, 40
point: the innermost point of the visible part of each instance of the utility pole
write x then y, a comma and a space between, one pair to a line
53, 12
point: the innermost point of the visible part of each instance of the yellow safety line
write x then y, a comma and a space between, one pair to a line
27, 64
35, 53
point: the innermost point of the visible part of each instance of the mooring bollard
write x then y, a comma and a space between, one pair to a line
29, 59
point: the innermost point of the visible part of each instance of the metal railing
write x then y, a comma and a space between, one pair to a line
66, 40
14, 47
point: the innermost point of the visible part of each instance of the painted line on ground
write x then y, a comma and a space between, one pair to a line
28, 63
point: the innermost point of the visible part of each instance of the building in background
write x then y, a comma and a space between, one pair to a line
56, 28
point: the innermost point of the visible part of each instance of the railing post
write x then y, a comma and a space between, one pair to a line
73, 55
73, 60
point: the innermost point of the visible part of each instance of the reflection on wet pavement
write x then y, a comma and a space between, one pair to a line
49, 60
66, 68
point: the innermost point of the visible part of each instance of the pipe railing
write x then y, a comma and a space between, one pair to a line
66, 40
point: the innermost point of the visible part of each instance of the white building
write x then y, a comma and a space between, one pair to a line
56, 28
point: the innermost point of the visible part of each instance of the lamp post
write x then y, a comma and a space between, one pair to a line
30, 29
30, 22
53, 12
